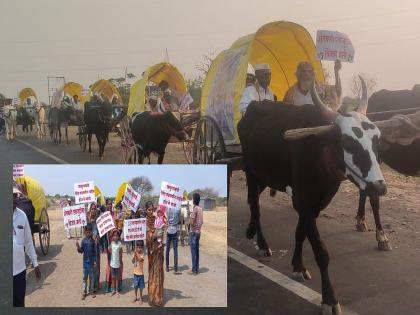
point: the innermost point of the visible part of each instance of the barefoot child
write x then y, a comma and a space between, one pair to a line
138, 280
88, 249
115, 249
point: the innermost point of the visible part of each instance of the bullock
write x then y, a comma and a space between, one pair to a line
54, 124
97, 117
152, 132
313, 165
401, 151
40, 120
10, 117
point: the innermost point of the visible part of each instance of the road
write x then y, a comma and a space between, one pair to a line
367, 281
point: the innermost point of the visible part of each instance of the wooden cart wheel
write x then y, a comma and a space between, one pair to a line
188, 147
82, 138
209, 145
44, 231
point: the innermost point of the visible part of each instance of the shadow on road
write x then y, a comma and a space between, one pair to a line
170, 294
53, 251
46, 270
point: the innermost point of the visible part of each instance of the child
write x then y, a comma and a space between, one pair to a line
115, 249
138, 278
160, 223
88, 248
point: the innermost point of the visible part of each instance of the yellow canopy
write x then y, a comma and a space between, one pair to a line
281, 44
35, 193
25, 93
100, 195
156, 73
74, 88
120, 192
106, 88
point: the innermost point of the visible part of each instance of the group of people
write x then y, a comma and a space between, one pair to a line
162, 223
258, 87
162, 99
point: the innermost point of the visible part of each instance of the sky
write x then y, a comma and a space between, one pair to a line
60, 179
84, 40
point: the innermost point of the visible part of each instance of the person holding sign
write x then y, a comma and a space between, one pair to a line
138, 278
299, 94
115, 263
88, 249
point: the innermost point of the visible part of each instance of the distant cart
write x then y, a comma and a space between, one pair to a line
35, 192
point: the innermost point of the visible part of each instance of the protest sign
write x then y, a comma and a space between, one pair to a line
332, 45
84, 192
18, 170
170, 195
131, 198
74, 216
16, 101
135, 229
105, 223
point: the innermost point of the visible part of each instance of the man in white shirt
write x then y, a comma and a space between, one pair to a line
260, 90
22, 242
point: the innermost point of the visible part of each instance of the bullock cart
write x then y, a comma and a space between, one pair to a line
35, 192
282, 45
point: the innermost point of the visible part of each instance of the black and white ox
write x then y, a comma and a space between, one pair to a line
326, 148
153, 131
400, 149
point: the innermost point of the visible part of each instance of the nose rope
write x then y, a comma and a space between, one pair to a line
355, 173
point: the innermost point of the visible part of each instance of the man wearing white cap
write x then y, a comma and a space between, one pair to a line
22, 242
260, 90
154, 103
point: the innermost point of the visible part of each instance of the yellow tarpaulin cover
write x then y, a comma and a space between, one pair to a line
120, 192
25, 93
106, 88
74, 88
100, 195
282, 45
35, 193
157, 73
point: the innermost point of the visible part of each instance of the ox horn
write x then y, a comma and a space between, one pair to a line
325, 110
364, 102
297, 134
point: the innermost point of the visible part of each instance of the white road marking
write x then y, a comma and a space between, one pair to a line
53, 157
280, 279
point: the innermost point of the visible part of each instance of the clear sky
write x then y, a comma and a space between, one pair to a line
59, 179
84, 40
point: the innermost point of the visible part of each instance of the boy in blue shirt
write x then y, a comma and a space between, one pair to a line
89, 251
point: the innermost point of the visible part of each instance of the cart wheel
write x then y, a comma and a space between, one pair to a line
188, 147
209, 145
82, 138
44, 231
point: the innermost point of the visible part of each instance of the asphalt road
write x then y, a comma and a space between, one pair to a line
367, 281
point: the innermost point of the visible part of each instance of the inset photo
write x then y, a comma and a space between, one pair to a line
119, 235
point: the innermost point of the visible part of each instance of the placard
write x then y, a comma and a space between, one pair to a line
170, 195
105, 223
332, 45
131, 198
18, 170
135, 229
84, 192
74, 216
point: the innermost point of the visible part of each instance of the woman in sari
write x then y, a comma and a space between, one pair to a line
155, 259
92, 216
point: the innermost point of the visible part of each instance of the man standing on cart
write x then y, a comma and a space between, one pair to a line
258, 91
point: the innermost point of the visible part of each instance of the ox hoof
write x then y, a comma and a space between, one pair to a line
265, 252
331, 309
361, 226
384, 245
301, 276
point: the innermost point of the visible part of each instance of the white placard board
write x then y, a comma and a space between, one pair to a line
331, 45
131, 198
135, 229
74, 216
18, 170
170, 195
84, 192
105, 223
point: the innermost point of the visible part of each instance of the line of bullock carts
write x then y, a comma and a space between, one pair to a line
309, 149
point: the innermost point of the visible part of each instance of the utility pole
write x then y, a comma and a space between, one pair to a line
54, 83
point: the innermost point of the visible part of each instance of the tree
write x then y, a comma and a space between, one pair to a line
141, 184
123, 86
205, 192
356, 87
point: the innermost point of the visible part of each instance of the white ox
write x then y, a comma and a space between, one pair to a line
40, 120
10, 115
